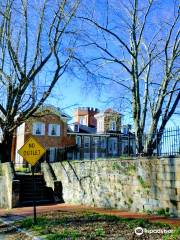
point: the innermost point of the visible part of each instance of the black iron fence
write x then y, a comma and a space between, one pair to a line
169, 144
164, 144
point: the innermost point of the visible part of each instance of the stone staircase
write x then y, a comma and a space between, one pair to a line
42, 194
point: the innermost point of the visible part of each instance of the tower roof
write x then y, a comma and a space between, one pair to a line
108, 110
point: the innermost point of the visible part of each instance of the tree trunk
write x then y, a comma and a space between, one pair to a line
139, 141
5, 148
154, 141
151, 146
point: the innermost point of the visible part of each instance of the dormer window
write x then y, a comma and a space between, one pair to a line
54, 130
38, 128
112, 126
76, 128
82, 121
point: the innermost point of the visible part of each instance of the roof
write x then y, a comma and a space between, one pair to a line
110, 110
56, 110
107, 111
81, 128
86, 129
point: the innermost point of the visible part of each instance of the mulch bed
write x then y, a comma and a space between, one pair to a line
86, 226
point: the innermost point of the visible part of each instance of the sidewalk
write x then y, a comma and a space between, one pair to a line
28, 211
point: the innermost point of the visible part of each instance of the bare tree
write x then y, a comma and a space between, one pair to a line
141, 57
36, 46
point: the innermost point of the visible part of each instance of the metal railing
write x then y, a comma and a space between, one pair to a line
169, 143
165, 144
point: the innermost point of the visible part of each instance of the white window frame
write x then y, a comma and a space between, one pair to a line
112, 125
82, 120
42, 129
57, 131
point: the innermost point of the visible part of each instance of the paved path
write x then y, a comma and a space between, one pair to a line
28, 211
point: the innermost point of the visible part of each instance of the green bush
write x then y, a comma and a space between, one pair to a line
100, 232
163, 212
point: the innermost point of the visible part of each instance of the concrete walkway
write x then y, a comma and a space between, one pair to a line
28, 211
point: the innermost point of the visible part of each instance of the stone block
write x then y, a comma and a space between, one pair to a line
154, 202
177, 176
177, 190
106, 186
167, 203
177, 184
178, 205
166, 176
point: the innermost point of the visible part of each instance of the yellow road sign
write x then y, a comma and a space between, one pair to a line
32, 151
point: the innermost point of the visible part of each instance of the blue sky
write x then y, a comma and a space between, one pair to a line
70, 91
74, 92
70, 94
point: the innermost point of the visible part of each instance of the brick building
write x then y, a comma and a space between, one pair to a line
103, 139
85, 116
94, 134
49, 127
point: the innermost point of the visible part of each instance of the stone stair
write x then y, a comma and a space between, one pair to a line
42, 194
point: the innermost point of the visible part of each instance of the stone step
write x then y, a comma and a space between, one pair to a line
27, 192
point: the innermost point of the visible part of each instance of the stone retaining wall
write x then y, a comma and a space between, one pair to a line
9, 187
135, 185
3, 195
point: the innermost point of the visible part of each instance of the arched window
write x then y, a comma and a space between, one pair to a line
112, 126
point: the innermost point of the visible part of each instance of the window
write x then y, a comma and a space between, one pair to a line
78, 141
103, 142
82, 121
95, 141
112, 126
76, 128
125, 130
86, 142
100, 125
54, 130
38, 128
112, 146
52, 154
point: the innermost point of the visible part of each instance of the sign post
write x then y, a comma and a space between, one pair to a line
34, 191
32, 151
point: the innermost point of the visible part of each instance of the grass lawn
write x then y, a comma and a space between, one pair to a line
73, 225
